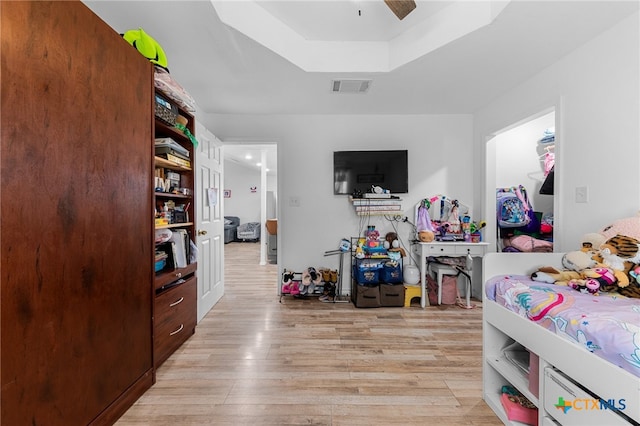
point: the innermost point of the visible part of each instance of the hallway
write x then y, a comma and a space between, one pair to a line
255, 361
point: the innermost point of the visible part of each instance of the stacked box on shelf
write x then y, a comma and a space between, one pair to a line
377, 206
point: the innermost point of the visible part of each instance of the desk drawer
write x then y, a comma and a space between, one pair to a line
437, 250
471, 249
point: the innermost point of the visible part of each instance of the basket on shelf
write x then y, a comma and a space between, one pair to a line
165, 110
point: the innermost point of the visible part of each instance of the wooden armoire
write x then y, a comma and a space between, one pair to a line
76, 209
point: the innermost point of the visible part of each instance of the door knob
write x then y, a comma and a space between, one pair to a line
202, 232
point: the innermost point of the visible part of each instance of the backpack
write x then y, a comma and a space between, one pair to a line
511, 208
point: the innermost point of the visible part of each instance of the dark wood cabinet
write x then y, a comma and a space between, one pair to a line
76, 255
175, 312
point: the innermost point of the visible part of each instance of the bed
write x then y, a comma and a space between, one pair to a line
588, 343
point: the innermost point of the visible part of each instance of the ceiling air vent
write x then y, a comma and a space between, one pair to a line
350, 86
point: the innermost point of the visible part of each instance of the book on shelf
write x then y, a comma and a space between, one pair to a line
166, 150
175, 159
168, 143
180, 241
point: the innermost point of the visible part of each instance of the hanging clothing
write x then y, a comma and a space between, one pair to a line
547, 185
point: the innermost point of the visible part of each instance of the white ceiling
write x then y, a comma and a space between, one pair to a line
227, 72
348, 20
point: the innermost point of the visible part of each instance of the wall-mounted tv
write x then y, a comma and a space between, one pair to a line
362, 169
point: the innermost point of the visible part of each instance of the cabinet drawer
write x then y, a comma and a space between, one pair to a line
581, 408
471, 249
175, 318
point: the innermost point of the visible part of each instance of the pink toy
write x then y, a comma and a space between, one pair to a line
518, 412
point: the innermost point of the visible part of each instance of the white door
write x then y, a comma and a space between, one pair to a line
209, 220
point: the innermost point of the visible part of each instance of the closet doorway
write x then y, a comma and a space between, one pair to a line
524, 154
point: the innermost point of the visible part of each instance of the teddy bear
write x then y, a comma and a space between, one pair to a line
392, 244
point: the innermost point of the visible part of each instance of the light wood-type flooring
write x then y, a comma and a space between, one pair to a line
255, 361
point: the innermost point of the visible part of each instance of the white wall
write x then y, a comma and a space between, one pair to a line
595, 90
242, 203
440, 161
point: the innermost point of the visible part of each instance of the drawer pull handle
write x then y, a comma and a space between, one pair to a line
177, 331
178, 274
177, 302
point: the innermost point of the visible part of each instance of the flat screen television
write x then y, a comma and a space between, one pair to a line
362, 169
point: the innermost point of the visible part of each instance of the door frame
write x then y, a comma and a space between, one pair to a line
490, 234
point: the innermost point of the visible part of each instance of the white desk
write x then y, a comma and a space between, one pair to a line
443, 248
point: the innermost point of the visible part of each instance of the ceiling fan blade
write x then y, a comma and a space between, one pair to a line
401, 8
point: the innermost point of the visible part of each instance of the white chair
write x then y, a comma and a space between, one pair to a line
440, 271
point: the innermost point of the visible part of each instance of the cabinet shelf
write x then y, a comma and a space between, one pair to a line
172, 195
163, 162
512, 375
165, 278
175, 225
493, 401
163, 129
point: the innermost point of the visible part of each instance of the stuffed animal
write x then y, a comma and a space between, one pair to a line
549, 274
621, 253
426, 236
629, 227
585, 286
605, 278
633, 289
635, 274
578, 260
392, 244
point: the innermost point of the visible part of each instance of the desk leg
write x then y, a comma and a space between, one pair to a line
423, 284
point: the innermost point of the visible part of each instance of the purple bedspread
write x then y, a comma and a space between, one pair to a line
607, 325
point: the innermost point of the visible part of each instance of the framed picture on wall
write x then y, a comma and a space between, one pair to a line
227, 193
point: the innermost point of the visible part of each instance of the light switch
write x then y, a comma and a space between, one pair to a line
582, 194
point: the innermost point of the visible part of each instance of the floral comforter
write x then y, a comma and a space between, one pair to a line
607, 324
